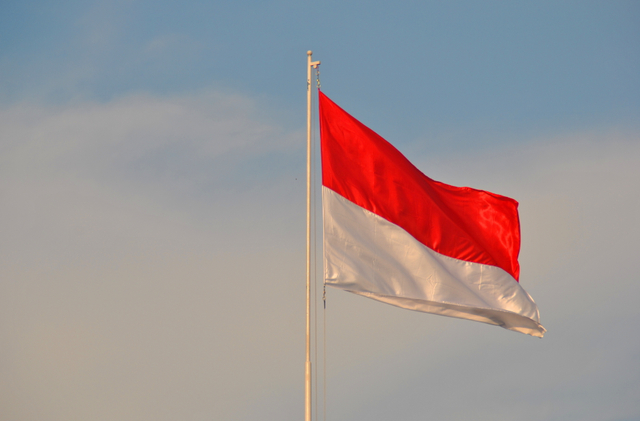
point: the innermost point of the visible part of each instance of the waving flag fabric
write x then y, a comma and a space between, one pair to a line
395, 235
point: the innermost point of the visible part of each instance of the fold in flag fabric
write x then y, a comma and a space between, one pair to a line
395, 235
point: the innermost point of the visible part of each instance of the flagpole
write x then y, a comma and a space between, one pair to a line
307, 388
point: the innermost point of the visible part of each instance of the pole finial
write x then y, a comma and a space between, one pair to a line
309, 52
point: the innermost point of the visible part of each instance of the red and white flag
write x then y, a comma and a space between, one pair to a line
395, 235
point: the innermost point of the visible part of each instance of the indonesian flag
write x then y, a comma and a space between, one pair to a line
395, 235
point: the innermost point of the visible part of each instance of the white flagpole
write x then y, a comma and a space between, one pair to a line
307, 388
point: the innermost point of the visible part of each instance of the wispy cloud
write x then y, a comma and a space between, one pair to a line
161, 137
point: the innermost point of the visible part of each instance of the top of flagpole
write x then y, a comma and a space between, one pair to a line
313, 64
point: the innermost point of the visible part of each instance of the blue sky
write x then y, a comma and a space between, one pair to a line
152, 218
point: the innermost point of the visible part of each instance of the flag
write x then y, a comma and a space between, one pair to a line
393, 234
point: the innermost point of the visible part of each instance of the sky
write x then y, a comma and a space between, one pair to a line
152, 207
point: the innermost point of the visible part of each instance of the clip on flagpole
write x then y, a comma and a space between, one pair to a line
307, 394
